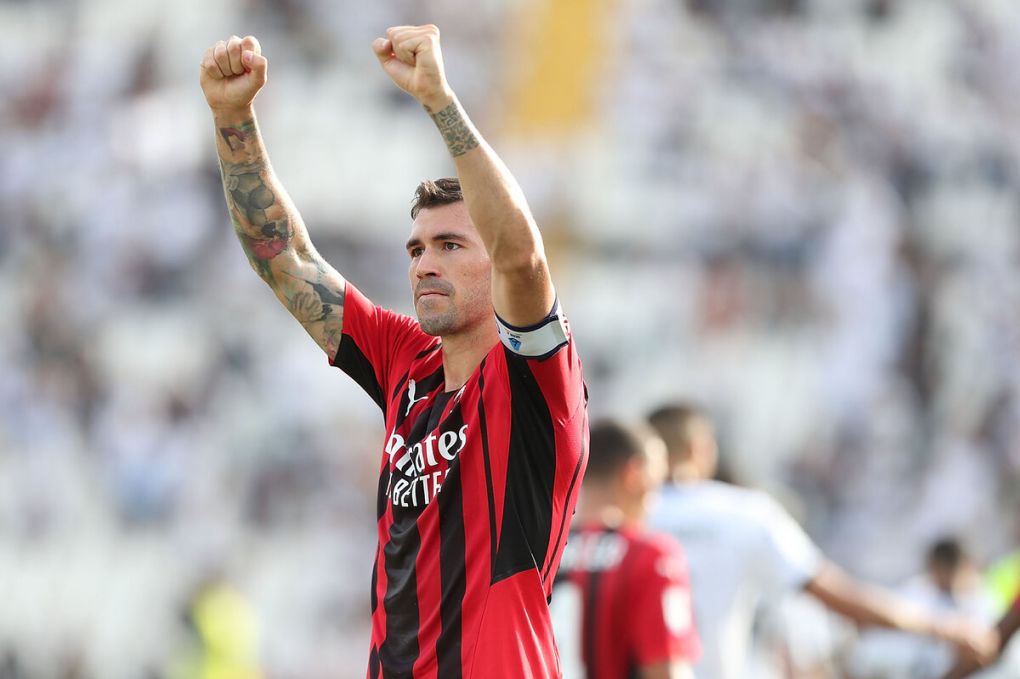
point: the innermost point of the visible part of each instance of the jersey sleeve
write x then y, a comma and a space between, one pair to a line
377, 345
662, 615
789, 559
545, 354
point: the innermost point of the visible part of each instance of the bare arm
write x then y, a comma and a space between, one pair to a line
522, 290
1006, 628
869, 605
268, 225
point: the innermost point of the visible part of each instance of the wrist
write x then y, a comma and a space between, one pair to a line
232, 115
434, 103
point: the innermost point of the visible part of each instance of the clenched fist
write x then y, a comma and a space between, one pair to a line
410, 55
232, 73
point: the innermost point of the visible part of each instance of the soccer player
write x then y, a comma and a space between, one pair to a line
621, 605
482, 395
741, 546
950, 583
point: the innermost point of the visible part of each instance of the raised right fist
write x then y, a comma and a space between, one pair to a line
232, 73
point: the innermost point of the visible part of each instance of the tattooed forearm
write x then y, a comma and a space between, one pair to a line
262, 222
310, 306
273, 236
457, 131
237, 135
318, 306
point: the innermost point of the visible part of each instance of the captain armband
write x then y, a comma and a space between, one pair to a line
536, 341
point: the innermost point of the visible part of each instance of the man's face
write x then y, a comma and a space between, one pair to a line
704, 449
645, 473
656, 464
450, 272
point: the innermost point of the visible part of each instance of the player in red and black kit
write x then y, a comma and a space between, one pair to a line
482, 395
621, 604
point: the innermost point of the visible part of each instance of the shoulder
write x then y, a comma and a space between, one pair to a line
657, 551
713, 497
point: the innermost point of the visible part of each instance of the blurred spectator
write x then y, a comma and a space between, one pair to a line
224, 635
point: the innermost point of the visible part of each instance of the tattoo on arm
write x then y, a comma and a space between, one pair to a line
261, 221
239, 133
321, 304
267, 226
457, 132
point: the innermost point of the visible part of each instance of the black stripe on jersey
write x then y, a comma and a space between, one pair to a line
375, 580
564, 519
399, 649
530, 475
436, 411
353, 361
451, 568
423, 354
590, 617
373, 664
424, 386
484, 431
400, 385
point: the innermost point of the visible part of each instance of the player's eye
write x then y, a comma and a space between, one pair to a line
449, 245
415, 252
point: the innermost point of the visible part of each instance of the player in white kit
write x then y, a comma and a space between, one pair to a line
742, 547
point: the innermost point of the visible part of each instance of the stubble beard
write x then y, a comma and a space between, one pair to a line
438, 323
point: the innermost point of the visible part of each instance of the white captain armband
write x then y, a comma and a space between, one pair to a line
536, 341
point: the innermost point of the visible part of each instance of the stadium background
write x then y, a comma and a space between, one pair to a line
803, 213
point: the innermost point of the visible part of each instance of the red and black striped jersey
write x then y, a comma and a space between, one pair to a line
476, 489
622, 601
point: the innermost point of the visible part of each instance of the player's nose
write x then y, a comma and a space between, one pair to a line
427, 264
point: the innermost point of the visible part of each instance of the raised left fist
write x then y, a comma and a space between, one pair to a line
411, 57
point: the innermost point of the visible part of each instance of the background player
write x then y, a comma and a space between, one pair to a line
950, 583
484, 449
742, 546
621, 605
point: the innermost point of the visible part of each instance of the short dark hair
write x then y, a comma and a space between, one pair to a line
612, 445
675, 424
436, 192
947, 552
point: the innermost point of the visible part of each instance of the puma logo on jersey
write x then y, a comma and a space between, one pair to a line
411, 400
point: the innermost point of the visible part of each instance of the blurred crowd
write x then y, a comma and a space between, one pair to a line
804, 214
